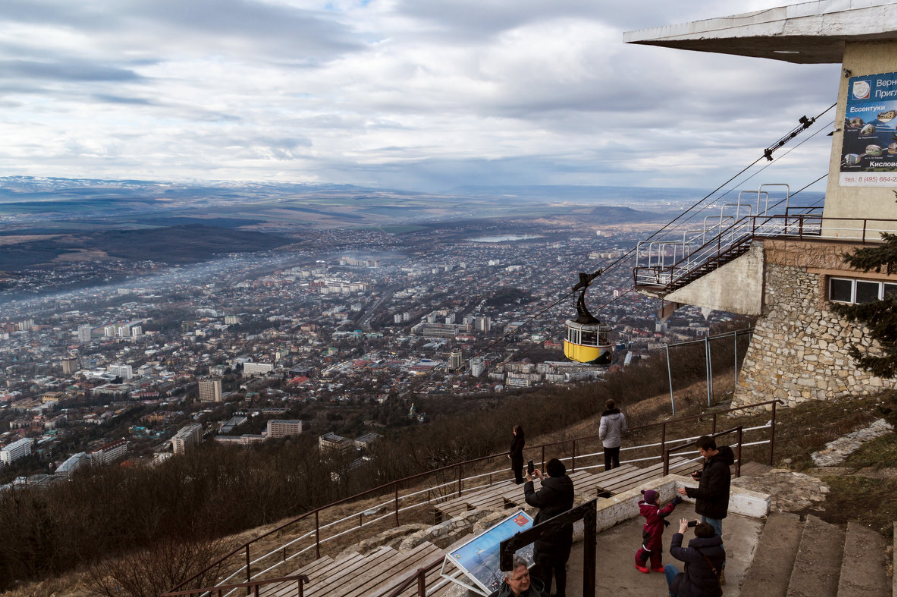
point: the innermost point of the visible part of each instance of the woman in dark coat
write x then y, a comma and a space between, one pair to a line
703, 559
516, 453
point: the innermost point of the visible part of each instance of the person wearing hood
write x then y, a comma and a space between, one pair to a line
652, 531
517, 582
610, 432
552, 551
712, 493
516, 453
703, 559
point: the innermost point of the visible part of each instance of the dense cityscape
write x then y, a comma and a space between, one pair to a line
333, 338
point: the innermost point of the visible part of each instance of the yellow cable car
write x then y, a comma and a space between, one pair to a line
587, 340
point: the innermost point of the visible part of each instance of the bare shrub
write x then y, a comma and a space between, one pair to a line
152, 570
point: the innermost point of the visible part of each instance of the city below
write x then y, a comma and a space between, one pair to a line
338, 334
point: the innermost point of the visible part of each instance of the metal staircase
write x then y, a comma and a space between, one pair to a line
666, 264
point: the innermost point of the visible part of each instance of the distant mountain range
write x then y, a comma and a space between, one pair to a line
580, 193
175, 244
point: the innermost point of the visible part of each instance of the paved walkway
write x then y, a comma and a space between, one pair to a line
617, 575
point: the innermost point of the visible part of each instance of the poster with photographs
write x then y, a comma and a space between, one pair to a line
479, 558
869, 153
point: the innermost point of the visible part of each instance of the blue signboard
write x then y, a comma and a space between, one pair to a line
479, 558
869, 152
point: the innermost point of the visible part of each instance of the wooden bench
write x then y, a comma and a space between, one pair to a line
632, 479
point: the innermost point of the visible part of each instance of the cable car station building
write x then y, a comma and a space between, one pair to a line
760, 255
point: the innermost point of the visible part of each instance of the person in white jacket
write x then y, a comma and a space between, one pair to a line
613, 425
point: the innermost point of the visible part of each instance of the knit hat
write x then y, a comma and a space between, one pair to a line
650, 496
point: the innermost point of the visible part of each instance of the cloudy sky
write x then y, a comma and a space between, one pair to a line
412, 94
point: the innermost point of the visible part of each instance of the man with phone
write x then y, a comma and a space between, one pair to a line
551, 552
712, 493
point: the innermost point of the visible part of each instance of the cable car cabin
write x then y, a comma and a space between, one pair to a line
588, 343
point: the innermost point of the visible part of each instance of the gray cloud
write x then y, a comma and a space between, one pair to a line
71, 70
413, 94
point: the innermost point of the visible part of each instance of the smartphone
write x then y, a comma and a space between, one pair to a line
692, 523
529, 467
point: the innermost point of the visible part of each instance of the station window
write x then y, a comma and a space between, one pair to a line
846, 290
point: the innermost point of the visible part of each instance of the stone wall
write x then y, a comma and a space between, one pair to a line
799, 347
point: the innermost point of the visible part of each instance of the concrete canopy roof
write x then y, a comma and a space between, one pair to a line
808, 33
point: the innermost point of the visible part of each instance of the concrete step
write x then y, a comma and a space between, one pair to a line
817, 566
863, 569
770, 570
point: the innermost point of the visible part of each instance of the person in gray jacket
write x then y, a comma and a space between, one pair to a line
613, 425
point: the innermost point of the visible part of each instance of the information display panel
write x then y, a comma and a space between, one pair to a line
869, 152
478, 559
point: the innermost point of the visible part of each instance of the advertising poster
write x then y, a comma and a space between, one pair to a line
869, 154
479, 558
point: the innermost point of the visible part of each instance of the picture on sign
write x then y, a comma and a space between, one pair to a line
869, 152
479, 558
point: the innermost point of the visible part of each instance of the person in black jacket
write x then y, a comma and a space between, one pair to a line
712, 493
551, 552
703, 563
516, 453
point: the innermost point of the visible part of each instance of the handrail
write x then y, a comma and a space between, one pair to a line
300, 579
420, 576
393, 485
668, 451
743, 231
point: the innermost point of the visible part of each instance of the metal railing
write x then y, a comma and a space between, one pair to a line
251, 587
274, 558
739, 431
420, 576
732, 241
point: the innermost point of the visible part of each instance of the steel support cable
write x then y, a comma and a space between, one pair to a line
776, 161
613, 264
706, 197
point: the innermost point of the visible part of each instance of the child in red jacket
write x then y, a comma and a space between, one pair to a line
652, 532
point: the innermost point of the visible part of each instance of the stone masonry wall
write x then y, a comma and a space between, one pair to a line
799, 348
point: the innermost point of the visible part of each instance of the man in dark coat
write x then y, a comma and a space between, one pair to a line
712, 493
552, 551
703, 563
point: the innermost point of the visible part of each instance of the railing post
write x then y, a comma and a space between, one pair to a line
459, 480
396, 485
772, 433
284, 554
248, 574
707, 367
299, 582
663, 439
666, 462
361, 514
573, 461
713, 429
317, 537
738, 462
421, 583
670, 378
255, 590
864, 232
543, 459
